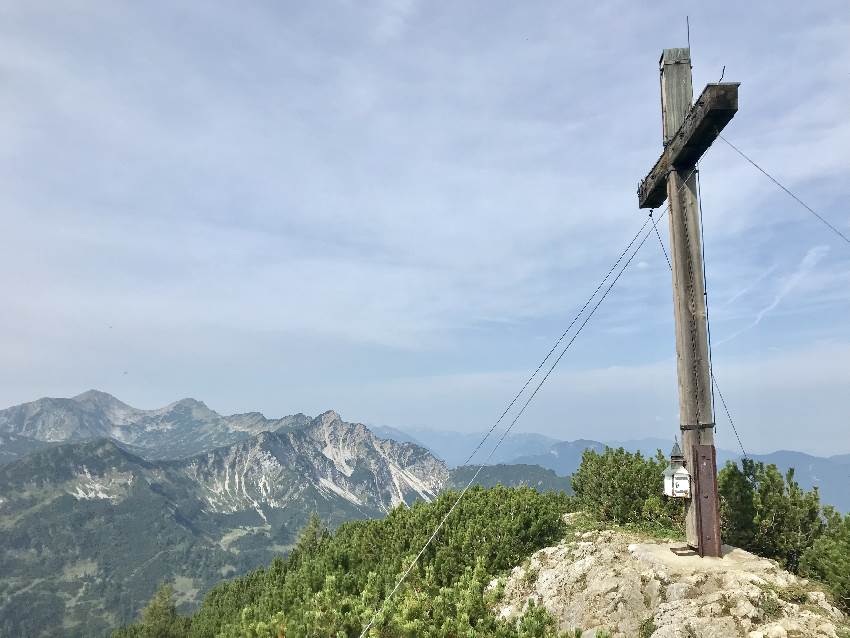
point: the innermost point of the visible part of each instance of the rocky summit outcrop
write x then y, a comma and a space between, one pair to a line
629, 586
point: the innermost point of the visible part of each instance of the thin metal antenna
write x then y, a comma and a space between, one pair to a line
688, 27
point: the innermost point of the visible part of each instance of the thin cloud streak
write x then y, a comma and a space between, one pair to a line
811, 259
743, 291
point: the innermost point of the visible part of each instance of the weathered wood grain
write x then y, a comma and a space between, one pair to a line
715, 107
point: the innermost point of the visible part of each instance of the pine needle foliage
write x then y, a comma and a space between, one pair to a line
767, 513
828, 558
331, 583
159, 619
626, 488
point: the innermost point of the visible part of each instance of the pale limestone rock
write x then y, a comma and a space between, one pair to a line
827, 630
745, 609
599, 580
791, 625
775, 631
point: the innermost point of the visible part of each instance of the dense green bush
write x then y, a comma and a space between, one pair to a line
627, 488
828, 558
770, 515
159, 618
331, 584
766, 513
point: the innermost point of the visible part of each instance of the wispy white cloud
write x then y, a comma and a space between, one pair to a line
750, 286
810, 260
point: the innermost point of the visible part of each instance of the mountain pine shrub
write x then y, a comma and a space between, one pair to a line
331, 583
626, 488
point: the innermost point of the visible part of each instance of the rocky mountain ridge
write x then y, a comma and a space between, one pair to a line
333, 458
188, 427
178, 430
88, 529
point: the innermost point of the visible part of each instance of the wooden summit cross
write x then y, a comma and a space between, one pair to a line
688, 132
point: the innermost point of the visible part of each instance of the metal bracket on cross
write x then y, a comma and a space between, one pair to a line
696, 426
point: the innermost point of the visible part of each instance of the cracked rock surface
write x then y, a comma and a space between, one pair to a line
631, 586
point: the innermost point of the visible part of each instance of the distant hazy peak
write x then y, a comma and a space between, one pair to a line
330, 425
97, 396
189, 402
329, 416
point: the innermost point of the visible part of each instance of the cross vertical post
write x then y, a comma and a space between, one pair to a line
687, 132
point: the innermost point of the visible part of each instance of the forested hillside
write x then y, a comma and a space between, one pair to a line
332, 583
514, 475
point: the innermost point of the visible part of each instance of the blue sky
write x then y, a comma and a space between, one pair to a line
393, 208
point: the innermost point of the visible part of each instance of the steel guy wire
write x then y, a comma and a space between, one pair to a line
557, 343
530, 398
661, 243
714, 383
705, 293
804, 205
572, 323
513, 422
788, 191
728, 415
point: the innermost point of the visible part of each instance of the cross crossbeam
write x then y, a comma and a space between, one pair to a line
712, 111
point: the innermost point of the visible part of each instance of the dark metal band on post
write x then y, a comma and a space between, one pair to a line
698, 426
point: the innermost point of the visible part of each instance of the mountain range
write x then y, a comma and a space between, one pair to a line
94, 514
455, 448
178, 430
